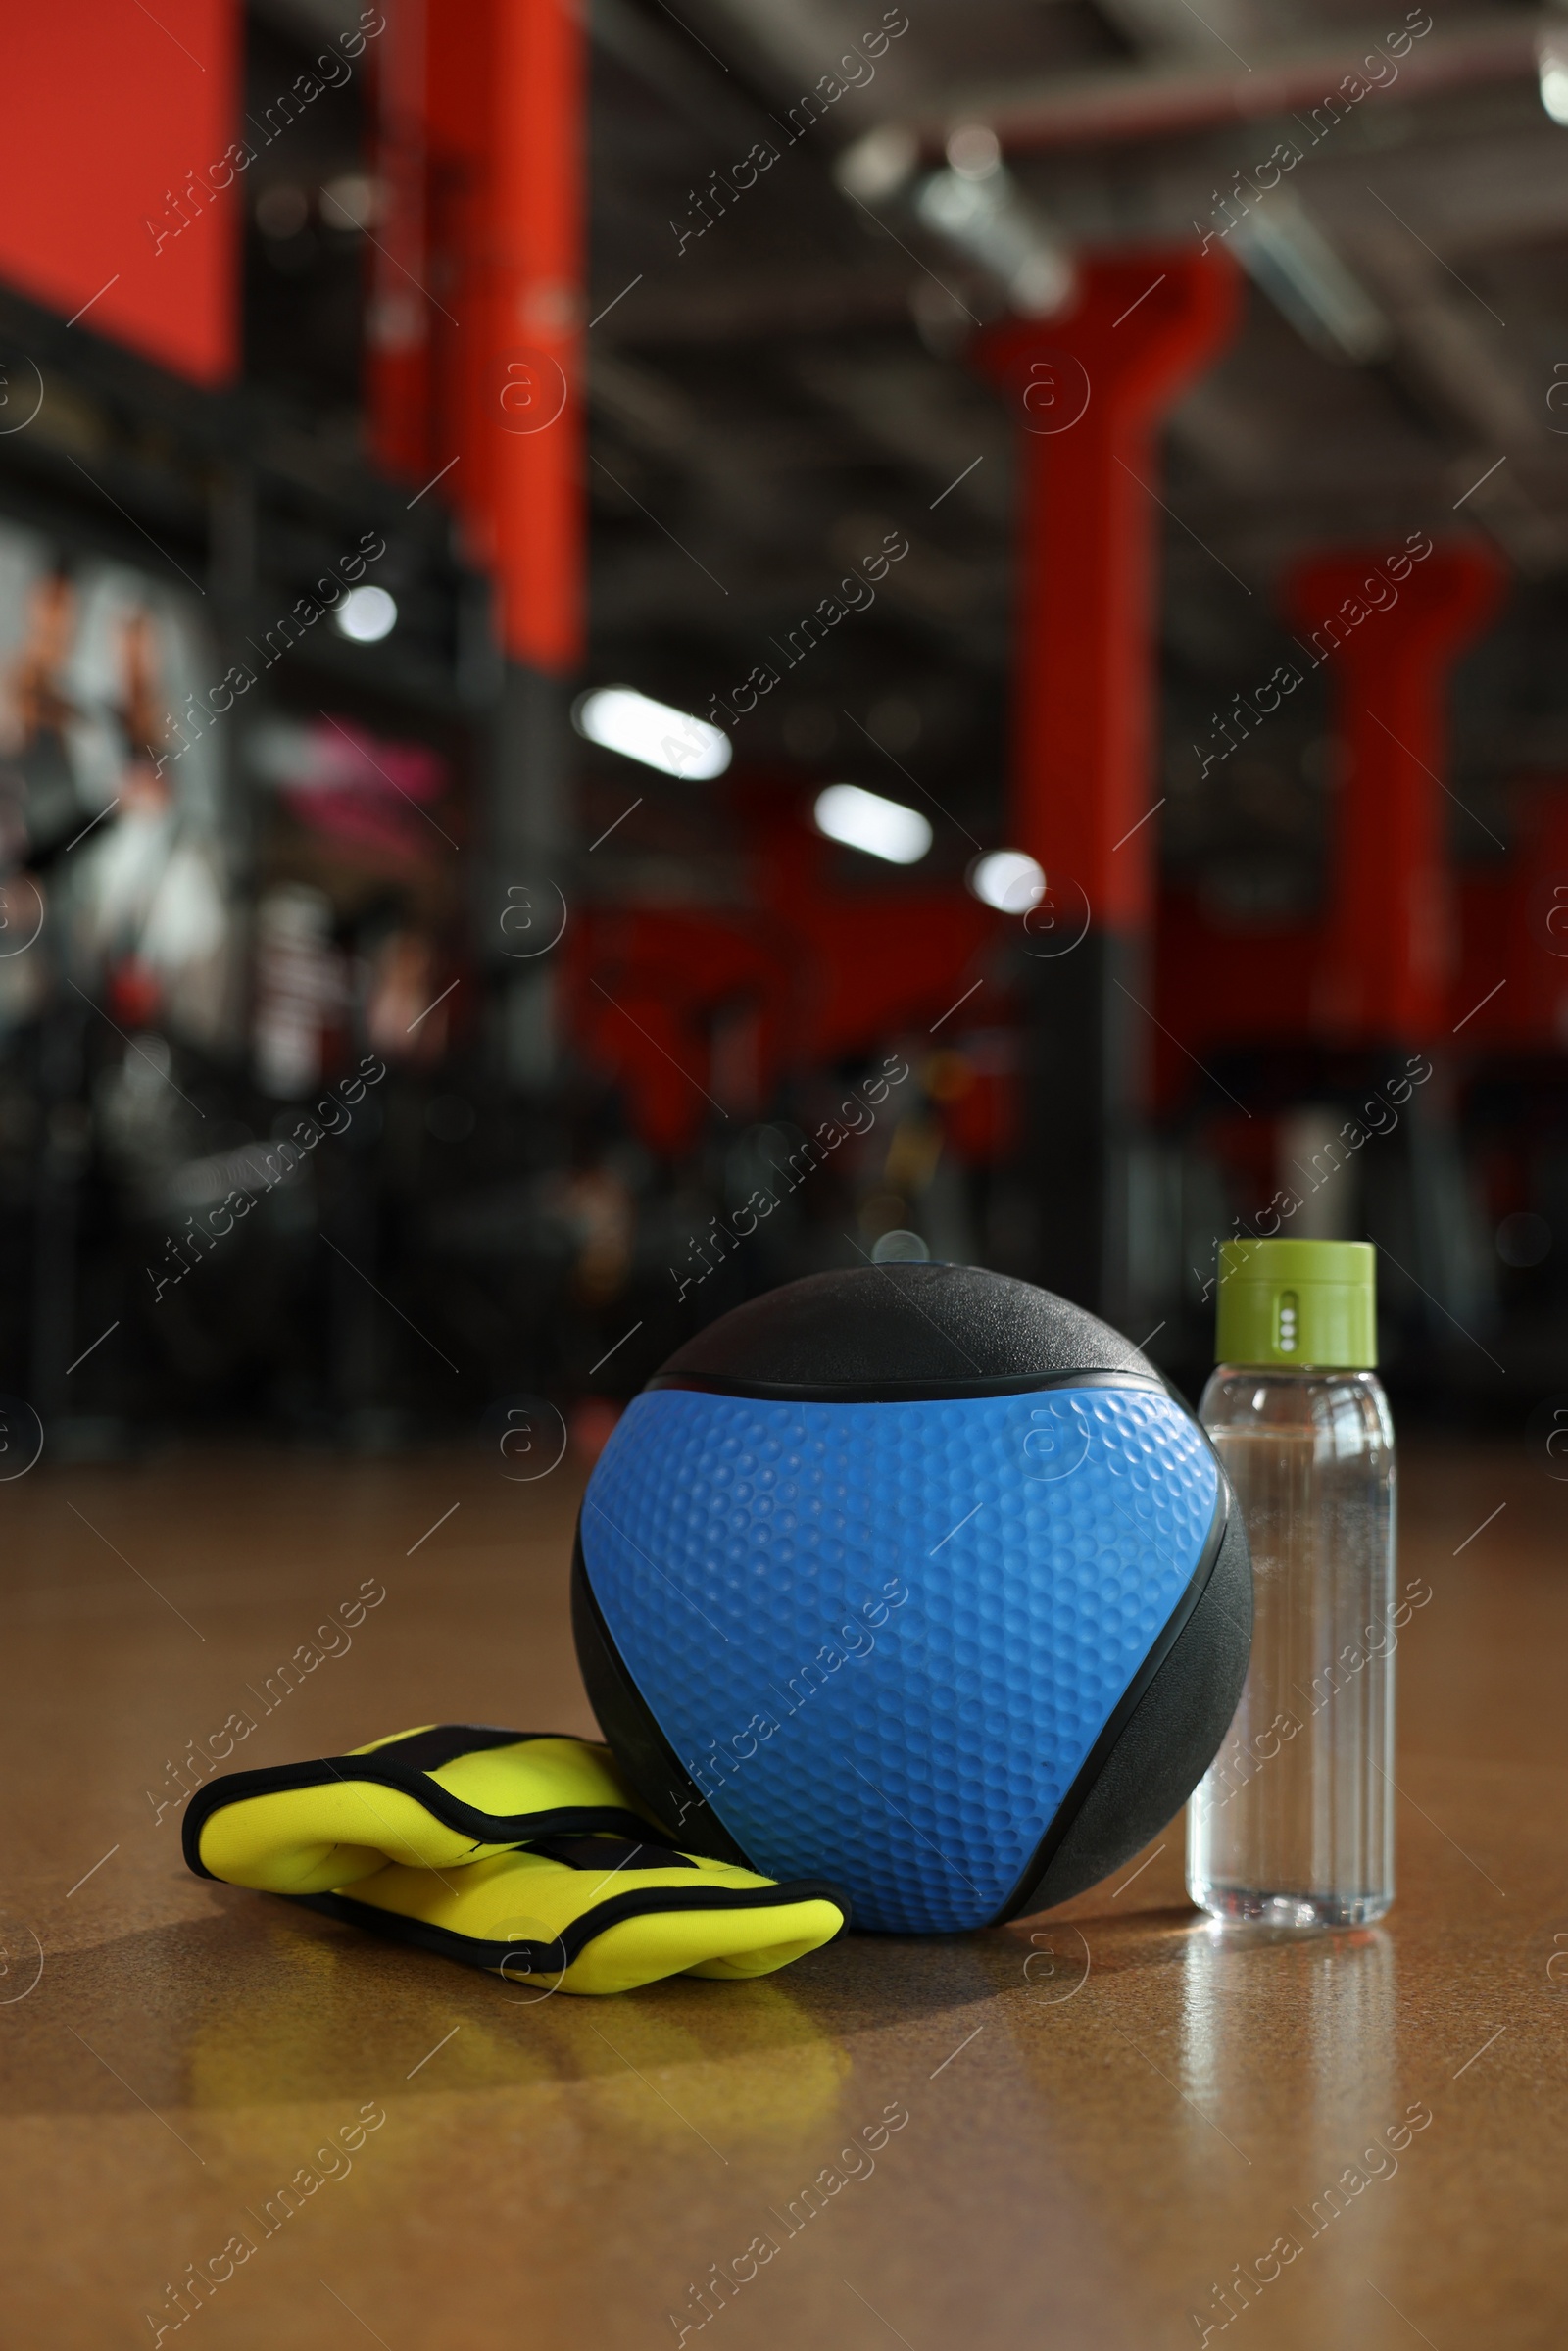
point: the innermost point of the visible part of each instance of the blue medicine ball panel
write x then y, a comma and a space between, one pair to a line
915, 1578
883, 1638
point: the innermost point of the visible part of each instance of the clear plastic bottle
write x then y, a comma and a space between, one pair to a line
1294, 1823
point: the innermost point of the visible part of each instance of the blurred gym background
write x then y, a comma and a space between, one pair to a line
642, 650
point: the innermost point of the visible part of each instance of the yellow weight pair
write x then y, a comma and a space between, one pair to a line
520, 1854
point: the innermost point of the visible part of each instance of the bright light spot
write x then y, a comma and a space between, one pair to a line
1554, 63
883, 828
1042, 283
954, 206
367, 615
350, 200
639, 728
974, 151
878, 162
1008, 880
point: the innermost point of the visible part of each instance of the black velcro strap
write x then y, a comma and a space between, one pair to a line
524, 1958
606, 1853
444, 1743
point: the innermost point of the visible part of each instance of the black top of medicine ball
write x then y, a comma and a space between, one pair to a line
879, 1333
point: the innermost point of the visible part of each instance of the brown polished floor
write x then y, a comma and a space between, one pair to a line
1087, 2155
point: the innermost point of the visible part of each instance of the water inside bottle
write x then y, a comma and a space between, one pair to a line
1294, 1823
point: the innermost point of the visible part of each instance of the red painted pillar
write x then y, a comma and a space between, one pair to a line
532, 364
531, 431
477, 318
1390, 626
1089, 389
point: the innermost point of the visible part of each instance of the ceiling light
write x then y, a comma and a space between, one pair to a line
639, 728
1552, 61
1008, 879
974, 151
986, 215
865, 820
1284, 250
878, 162
351, 201
367, 615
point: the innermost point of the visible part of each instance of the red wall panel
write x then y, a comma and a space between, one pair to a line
112, 117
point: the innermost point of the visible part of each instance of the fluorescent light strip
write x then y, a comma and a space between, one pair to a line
639, 728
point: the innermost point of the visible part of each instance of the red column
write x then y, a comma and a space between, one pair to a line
531, 365
1391, 625
1089, 389
477, 319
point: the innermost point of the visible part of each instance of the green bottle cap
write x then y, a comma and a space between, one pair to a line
1297, 1304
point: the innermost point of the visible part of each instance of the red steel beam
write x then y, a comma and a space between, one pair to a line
1172, 98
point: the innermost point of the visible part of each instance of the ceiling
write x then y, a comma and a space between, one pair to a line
777, 370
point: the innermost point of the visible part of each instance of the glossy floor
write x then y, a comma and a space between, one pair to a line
1114, 2126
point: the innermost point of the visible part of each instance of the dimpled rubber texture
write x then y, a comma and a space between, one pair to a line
1028, 1551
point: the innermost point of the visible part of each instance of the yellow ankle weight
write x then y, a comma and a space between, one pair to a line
517, 1853
432, 1799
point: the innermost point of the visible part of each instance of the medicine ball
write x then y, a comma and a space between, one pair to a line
917, 1578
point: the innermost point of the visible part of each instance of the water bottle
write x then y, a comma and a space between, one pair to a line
1293, 1825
